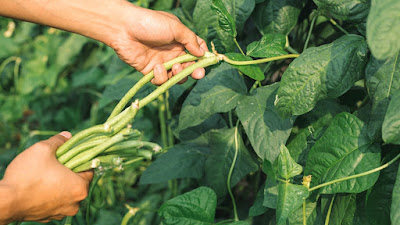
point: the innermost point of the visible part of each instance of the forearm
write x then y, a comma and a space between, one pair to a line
7, 204
97, 19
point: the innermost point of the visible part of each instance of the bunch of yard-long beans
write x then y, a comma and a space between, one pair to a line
115, 142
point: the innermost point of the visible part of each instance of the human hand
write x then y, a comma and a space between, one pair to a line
154, 37
41, 188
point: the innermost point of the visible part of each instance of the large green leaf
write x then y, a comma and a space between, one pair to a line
353, 10
194, 207
218, 164
181, 161
258, 208
383, 80
321, 72
269, 45
218, 92
315, 123
290, 198
383, 28
277, 16
391, 124
265, 129
296, 217
343, 150
226, 22
395, 207
253, 71
287, 167
271, 190
343, 209
379, 197
207, 24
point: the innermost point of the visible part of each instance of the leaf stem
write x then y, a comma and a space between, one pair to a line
328, 215
231, 171
237, 44
356, 175
338, 26
292, 50
310, 31
257, 61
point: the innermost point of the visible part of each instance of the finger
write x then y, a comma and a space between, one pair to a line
202, 44
198, 73
177, 68
86, 175
183, 80
189, 39
160, 75
57, 140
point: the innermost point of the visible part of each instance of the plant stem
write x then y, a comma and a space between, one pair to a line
237, 44
328, 215
169, 117
338, 26
92, 186
231, 171
310, 31
147, 78
292, 50
208, 60
304, 212
357, 175
258, 61
161, 117
68, 220
6, 62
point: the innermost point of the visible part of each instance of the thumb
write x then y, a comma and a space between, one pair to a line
190, 40
57, 140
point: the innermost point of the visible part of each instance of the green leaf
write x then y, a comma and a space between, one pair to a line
218, 164
207, 24
277, 16
321, 72
287, 167
258, 208
181, 161
289, 199
194, 207
391, 124
343, 209
215, 121
271, 190
395, 207
383, 28
269, 45
296, 217
353, 10
253, 71
265, 129
225, 19
379, 197
218, 92
315, 123
382, 80
343, 150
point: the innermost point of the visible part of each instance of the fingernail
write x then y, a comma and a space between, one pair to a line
66, 134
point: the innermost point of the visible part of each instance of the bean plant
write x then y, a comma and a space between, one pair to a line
295, 122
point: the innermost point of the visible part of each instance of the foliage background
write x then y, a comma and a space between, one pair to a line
51, 80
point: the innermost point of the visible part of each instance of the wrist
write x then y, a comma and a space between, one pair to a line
8, 204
